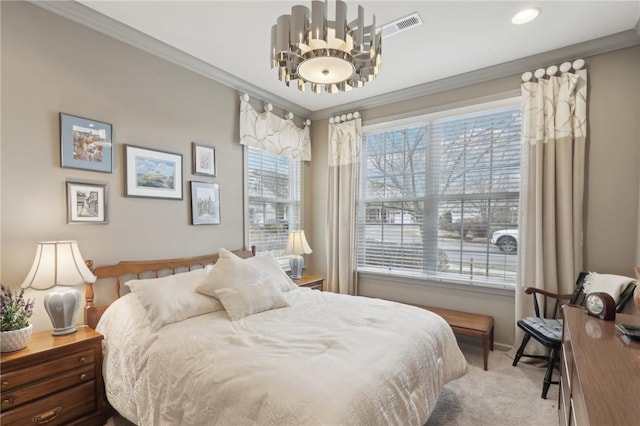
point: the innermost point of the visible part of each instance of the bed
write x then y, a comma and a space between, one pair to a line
263, 351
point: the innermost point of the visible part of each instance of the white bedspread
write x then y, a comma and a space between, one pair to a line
327, 359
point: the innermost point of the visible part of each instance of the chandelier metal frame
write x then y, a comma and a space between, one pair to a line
331, 56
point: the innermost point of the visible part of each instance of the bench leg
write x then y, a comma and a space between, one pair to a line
491, 337
485, 350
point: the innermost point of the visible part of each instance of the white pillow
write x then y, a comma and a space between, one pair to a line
271, 271
173, 298
249, 299
229, 270
608, 283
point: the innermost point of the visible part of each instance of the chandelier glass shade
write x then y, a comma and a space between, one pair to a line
331, 56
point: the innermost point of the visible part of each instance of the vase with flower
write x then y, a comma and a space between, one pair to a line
15, 312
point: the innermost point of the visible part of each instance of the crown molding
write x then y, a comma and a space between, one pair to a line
85, 16
90, 18
581, 50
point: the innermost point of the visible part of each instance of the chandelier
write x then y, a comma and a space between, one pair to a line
330, 55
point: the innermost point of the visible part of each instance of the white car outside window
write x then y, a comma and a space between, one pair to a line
506, 240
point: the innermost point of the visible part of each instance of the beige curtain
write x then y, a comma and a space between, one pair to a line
345, 146
552, 188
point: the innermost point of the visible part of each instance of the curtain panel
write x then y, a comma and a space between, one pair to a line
552, 186
270, 133
345, 147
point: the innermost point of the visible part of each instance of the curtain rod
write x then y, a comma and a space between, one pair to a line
344, 117
553, 70
268, 106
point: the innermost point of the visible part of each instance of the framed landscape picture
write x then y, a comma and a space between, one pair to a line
85, 144
152, 173
205, 203
204, 159
87, 202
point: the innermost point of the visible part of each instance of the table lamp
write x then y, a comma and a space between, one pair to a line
297, 245
59, 264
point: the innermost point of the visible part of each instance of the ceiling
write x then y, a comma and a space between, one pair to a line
230, 41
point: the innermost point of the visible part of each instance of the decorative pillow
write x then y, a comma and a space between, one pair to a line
608, 283
229, 270
244, 300
271, 271
173, 298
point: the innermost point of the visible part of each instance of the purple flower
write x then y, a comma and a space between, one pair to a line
14, 311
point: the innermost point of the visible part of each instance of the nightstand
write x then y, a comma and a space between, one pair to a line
54, 380
314, 282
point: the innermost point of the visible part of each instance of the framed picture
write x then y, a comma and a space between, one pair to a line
204, 159
205, 203
152, 173
87, 202
85, 144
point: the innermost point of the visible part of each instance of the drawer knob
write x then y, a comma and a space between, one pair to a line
7, 401
47, 416
83, 376
82, 360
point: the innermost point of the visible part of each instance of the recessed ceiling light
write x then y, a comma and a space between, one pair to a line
526, 15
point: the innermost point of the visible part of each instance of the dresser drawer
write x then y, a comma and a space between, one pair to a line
43, 370
56, 409
19, 396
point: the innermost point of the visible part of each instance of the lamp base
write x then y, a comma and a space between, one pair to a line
296, 263
62, 305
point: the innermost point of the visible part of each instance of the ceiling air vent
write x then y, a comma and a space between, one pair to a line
401, 24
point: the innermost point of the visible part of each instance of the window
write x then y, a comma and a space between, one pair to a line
435, 189
273, 187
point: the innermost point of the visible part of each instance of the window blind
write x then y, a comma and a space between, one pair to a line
273, 187
436, 189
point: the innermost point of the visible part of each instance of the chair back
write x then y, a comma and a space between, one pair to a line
579, 295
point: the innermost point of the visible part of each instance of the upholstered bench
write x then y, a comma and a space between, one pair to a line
468, 324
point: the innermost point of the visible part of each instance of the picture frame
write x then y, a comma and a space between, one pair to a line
205, 203
204, 159
151, 173
87, 202
85, 144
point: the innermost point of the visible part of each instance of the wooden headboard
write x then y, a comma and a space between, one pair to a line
136, 269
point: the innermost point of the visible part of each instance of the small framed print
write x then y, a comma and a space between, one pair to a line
204, 159
205, 203
153, 174
85, 144
87, 202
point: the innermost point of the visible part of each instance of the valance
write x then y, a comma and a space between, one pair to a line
270, 133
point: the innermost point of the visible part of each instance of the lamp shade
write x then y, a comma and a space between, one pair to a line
297, 243
57, 263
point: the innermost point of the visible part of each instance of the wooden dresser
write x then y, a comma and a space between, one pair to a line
54, 380
600, 372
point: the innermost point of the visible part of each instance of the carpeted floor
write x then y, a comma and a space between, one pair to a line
502, 396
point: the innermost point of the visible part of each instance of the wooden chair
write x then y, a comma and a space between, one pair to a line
546, 326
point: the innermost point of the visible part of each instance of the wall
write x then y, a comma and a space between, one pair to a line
611, 205
51, 65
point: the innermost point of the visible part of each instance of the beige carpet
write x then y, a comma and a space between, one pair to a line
503, 395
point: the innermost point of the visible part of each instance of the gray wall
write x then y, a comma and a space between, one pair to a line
611, 213
51, 65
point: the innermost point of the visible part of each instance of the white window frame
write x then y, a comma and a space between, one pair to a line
478, 107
